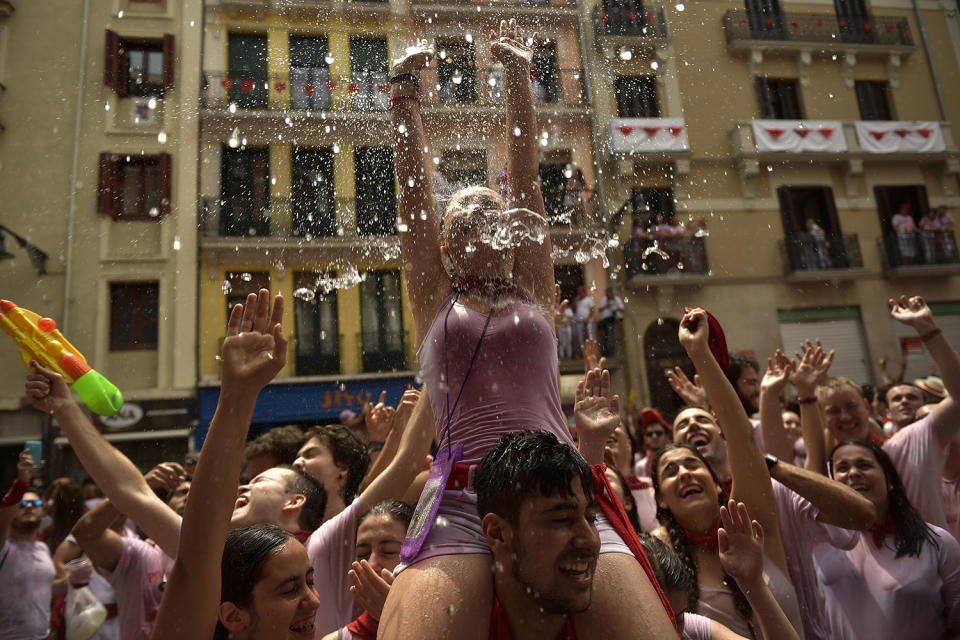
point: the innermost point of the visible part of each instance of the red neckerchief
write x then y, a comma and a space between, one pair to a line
365, 627
880, 531
613, 510
495, 287
500, 629
302, 535
710, 539
636, 483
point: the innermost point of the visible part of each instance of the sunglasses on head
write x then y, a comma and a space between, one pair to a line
31, 503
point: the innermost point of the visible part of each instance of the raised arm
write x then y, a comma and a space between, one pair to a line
597, 414
93, 534
399, 419
113, 472
774, 380
915, 313
839, 505
427, 281
810, 371
533, 268
751, 482
253, 352
10, 506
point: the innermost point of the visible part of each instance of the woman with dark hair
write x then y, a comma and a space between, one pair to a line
63, 503
689, 495
901, 579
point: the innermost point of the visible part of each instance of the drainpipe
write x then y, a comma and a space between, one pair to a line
933, 70
74, 171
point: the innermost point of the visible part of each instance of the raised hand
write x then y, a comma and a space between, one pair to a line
560, 305
255, 349
694, 332
691, 393
508, 46
778, 373
596, 412
416, 58
812, 369
913, 312
166, 475
740, 545
591, 356
46, 390
370, 589
25, 467
378, 418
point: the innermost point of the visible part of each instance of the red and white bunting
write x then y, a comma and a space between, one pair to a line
799, 136
897, 136
647, 135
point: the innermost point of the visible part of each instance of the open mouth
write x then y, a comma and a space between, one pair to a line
578, 570
698, 440
690, 490
304, 626
242, 501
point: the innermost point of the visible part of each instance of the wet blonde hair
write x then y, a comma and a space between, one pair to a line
464, 198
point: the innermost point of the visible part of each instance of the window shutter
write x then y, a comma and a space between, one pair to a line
120, 68
106, 184
763, 96
111, 54
166, 177
168, 61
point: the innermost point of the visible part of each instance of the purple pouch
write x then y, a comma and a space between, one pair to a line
426, 511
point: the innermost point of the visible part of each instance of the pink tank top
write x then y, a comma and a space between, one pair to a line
512, 385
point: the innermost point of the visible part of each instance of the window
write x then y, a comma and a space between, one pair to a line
545, 75
374, 185
133, 315
766, 20
457, 72
134, 187
314, 209
382, 320
137, 67
779, 99
240, 285
247, 85
309, 73
469, 167
318, 342
902, 208
637, 97
553, 186
812, 236
853, 20
368, 74
624, 17
873, 98
244, 192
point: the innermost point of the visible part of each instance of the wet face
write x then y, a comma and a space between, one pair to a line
687, 487
622, 493
655, 437
262, 499
616, 451
379, 539
846, 413
178, 500
28, 518
791, 424
468, 238
857, 467
316, 459
697, 428
903, 401
748, 389
284, 601
552, 552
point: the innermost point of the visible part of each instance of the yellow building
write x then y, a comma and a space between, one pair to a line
98, 157
784, 137
297, 184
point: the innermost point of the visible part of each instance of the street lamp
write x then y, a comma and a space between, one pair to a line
38, 258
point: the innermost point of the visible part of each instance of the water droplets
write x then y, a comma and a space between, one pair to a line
517, 131
226, 287
305, 294
162, 137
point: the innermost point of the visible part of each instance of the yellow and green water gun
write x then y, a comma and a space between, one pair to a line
38, 339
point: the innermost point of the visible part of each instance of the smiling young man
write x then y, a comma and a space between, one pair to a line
536, 500
697, 428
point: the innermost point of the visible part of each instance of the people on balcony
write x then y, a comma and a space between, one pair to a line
906, 229
936, 237
814, 250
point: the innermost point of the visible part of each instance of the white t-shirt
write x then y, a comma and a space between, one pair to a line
26, 579
332, 550
583, 307
103, 590
610, 308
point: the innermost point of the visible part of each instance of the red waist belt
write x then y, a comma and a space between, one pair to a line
111, 610
462, 476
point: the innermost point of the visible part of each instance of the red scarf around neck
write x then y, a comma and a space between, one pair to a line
709, 539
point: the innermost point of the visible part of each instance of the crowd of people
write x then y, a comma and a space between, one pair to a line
472, 509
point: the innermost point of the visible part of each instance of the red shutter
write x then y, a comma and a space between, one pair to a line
166, 178
168, 61
110, 59
105, 187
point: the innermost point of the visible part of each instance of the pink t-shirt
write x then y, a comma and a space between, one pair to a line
870, 593
332, 550
919, 460
696, 627
800, 533
950, 492
136, 583
904, 223
646, 505
26, 578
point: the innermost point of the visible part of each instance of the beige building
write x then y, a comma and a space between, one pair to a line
785, 138
98, 165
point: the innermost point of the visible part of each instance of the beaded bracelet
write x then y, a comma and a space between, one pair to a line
400, 77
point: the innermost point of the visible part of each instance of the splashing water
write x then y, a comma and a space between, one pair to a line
305, 294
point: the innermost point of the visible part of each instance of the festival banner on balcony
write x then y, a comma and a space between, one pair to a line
896, 136
648, 135
799, 136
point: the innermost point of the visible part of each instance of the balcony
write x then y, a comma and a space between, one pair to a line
260, 9
927, 253
458, 9
616, 27
658, 137
849, 143
833, 257
746, 31
663, 259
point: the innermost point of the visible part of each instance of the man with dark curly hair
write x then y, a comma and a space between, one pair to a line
273, 448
